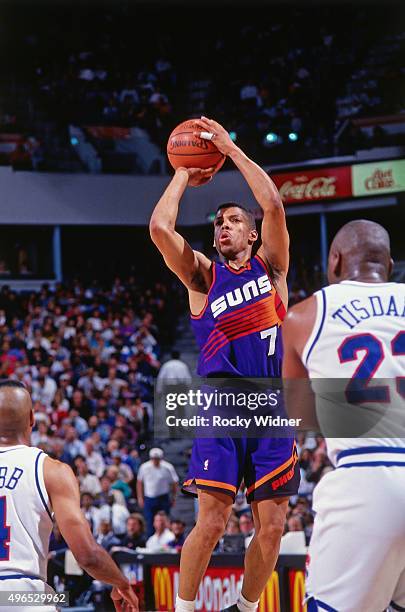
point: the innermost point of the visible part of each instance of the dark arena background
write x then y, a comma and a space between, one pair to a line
89, 313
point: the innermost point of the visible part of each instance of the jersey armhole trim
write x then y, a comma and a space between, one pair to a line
200, 314
317, 330
37, 481
263, 264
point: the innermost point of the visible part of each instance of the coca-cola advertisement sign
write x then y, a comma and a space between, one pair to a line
314, 185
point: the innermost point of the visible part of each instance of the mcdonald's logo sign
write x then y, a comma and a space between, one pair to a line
297, 591
163, 589
270, 598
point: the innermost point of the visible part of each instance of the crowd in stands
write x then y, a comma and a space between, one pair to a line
277, 80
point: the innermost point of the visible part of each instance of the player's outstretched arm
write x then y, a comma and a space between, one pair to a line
275, 240
299, 398
63, 491
191, 267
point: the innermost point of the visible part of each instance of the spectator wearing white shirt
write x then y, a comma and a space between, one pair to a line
95, 321
44, 388
90, 511
173, 372
89, 483
116, 514
162, 536
157, 482
116, 384
94, 459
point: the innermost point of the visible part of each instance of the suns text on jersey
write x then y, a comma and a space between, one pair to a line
249, 290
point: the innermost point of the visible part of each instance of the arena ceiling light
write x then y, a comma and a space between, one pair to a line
271, 138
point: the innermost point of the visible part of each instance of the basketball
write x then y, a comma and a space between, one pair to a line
186, 149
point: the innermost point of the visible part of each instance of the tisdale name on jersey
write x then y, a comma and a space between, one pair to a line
357, 310
242, 294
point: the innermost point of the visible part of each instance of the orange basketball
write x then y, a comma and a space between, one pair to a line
185, 149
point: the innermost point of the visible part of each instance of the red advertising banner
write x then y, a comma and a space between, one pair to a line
218, 590
314, 185
106, 132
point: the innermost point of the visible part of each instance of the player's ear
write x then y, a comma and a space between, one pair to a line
334, 266
32, 419
390, 267
253, 236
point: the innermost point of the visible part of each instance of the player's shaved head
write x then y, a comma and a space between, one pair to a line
360, 251
16, 418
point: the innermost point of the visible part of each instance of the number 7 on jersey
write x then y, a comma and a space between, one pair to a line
272, 333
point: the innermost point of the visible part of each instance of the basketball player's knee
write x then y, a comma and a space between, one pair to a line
270, 534
213, 528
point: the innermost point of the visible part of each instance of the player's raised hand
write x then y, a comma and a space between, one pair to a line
125, 599
199, 176
212, 130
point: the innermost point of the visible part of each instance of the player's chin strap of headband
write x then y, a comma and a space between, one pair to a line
207, 135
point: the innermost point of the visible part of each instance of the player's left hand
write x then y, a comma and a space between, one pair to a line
125, 599
220, 137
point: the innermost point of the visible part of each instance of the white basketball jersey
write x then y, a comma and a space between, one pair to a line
25, 514
359, 335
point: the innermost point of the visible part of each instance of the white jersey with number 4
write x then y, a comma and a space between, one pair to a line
359, 335
25, 515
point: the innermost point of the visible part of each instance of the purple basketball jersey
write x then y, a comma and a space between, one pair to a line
239, 328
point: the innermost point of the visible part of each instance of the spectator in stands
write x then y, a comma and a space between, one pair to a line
116, 514
88, 483
117, 483
173, 372
105, 535
162, 534
125, 473
232, 526
42, 434
4, 268
44, 388
90, 511
107, 491
135, 534
93, 458
157, 484
178, 527
294, 523
73, 446
247, 527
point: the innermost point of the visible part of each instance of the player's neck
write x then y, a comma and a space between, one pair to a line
367, 274
14, 440
240, 261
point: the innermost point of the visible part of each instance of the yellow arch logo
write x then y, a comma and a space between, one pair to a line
270, 598
162, 587
299, 593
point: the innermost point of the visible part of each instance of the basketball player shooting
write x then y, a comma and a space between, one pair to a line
250, 331
35, 490
354, 329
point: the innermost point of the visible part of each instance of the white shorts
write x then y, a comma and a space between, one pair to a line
356, 557
30, 586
